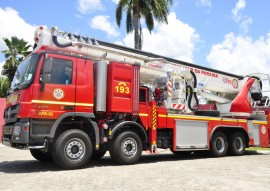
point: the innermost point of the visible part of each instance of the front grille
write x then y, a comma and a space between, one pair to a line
11, 114
7, 132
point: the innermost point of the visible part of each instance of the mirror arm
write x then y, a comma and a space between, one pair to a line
42, 86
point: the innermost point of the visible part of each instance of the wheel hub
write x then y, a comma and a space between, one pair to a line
220, 144
129, 147
75, 149
239, 144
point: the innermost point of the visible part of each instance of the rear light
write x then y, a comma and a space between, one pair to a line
26, 128
105, 126
43, 47
104, 139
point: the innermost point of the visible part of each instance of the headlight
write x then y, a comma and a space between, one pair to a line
17, 130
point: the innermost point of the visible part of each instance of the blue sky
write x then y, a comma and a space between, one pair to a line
229, 35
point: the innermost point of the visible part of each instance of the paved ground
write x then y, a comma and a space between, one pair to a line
19, 171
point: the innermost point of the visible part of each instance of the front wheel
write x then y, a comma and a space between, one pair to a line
40, 155
72, 149
237, 144
126, 148
219, 144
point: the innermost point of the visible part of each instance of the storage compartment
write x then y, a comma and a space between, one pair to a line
120, 89
191, 134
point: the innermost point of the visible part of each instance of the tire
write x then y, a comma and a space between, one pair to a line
126, 148
219, 145
97, 154
72, 149
40, 155
237, 144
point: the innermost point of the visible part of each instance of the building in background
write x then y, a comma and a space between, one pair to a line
2, 107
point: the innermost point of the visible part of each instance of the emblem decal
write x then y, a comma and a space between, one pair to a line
263, 130
58, 93
235, 83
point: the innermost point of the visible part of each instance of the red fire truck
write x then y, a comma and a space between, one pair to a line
74, 98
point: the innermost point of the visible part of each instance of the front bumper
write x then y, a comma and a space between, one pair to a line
16, 135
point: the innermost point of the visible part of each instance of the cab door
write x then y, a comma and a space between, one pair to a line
57, 95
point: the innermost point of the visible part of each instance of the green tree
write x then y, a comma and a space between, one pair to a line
16, 52
4, 85
135, 10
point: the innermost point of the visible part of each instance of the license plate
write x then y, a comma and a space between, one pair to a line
17, 130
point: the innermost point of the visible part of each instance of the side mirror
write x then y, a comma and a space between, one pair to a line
46, 72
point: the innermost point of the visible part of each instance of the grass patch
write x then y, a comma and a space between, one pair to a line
257, 149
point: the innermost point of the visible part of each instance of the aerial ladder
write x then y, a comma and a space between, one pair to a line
175, 84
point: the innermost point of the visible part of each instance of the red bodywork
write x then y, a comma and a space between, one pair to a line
120, 88
77, 96
122, 97
241, 102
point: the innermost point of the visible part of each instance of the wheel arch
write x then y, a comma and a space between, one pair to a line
130, 125
228, 130
90, 127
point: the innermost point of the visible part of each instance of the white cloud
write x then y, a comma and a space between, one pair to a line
244, 26
119, 43
240, 5
206, 3
241, 55
13, 25
176, 40
115, 1
78, 16
86, 6
101, 22
244, 20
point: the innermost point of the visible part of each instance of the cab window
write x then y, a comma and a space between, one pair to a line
61, 71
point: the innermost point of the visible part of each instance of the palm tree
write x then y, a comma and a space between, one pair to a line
17, 50
137, 9
4, 85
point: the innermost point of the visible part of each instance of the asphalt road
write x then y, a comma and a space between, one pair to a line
165, 171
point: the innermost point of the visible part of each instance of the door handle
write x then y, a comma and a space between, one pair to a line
68, 107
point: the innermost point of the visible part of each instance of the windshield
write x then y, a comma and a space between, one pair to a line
25, 71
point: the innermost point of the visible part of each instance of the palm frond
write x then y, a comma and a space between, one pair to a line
150, 10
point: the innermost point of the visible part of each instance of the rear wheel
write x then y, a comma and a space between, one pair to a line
126, 148
219, 144
72, 149
40, 155
237, 144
